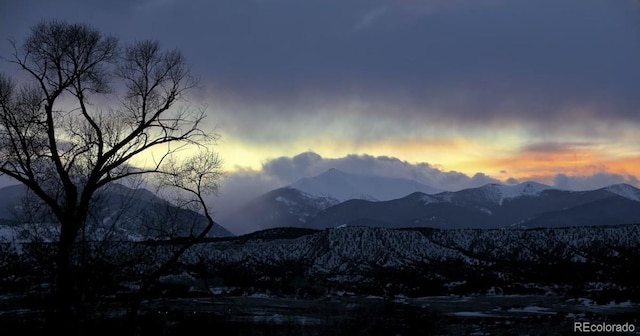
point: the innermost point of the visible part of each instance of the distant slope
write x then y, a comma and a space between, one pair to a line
283, 207
10, 198
405, 212
611, 210
123, 212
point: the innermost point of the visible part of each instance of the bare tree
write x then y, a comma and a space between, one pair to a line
57, 140
190, 180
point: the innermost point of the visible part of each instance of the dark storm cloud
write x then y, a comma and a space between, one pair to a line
462, 61
509, 61
290, 169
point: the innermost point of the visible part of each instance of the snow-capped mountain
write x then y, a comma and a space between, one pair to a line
342, 186
498, 193
491, 206
303, 200
625, 190
336, 198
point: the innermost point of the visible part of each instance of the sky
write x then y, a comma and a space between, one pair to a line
453, 93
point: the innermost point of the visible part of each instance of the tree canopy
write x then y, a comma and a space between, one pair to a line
90, 109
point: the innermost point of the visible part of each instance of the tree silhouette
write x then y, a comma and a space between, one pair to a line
90, 112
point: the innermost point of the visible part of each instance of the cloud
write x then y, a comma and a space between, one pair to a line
287, 170
512, 63
553, 147
512, 181
371, 16
291, 169
273, 72
242, 186
550, 64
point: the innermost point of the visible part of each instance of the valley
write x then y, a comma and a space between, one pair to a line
499, 259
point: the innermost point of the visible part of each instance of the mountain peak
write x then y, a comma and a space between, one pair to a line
333, 173
501, 192
343, 186
625, 190
526, 188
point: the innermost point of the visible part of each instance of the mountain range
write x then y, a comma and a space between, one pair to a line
336, 198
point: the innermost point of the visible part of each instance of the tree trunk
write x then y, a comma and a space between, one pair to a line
67, 303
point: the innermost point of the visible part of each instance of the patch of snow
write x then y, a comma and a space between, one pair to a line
443, 298
487, 211
574, 316
428, 199
523, 189
625, 304
625, 191
587, 302
344, 293
531, 310
611, 305
455, 284
471, 314
259, 295
7, 233
284, 201
177, 279
499, 192
375, 297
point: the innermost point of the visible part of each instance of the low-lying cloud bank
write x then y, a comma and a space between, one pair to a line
242, 186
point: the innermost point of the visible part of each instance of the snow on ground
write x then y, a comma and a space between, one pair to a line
531, 310
610, 305
523, 189
472, 314
7, 233
625, 191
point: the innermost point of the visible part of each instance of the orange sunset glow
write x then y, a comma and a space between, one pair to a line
453, 95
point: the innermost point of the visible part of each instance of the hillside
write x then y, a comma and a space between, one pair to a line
578, 260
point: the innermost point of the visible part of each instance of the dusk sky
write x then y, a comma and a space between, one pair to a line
453, 93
